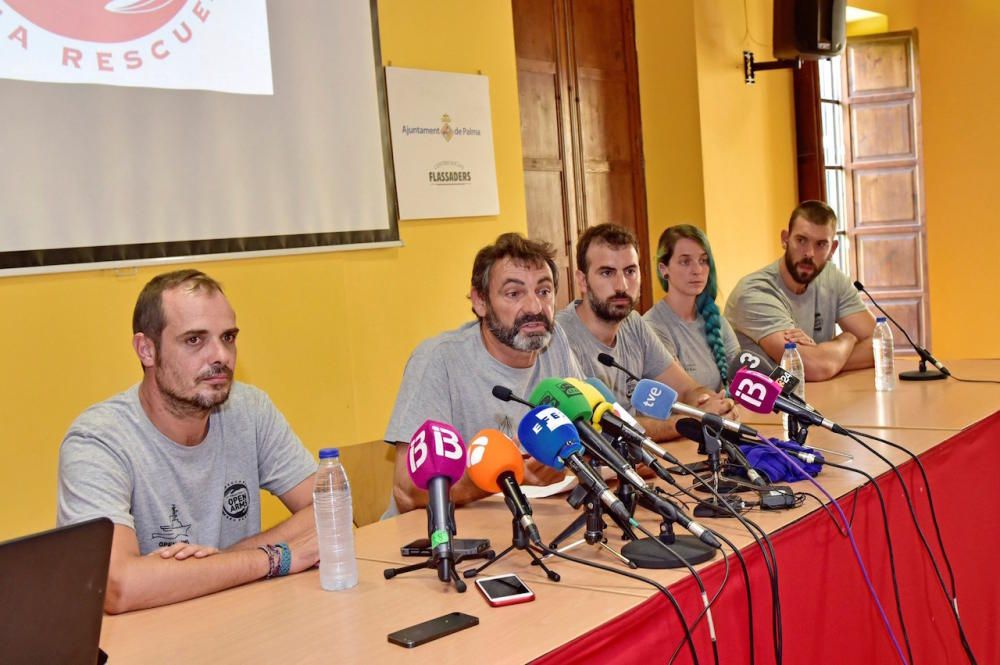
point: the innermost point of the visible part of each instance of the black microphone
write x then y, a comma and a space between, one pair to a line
505, 394
780, 375
925, 356
609, 361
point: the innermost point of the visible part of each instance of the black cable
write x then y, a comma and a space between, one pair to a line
888, 542
833, 518
703, 613
771, 564
974, 380
662, 589
698, 581
952, 596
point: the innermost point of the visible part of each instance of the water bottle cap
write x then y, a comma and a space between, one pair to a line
879, 319
329, 453
789, 345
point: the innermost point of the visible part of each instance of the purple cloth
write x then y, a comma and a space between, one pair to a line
775, 466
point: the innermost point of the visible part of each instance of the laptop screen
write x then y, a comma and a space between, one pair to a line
52, 588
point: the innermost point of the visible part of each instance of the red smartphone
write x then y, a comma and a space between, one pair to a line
501, 590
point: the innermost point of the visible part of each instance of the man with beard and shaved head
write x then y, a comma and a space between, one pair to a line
605, 321
177, 461
514, 342
801, 298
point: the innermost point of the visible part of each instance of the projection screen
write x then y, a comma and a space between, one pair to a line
216, 128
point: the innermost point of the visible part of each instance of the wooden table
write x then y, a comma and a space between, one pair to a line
293, 620
850, 399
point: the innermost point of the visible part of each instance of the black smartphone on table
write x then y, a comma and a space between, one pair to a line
422, 633
460, 547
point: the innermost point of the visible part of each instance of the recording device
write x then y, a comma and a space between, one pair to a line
461, 547
658, 400
494, 464
501, 590
435, 461
549, 436
760, 394
785, 379
425, 632
925, 356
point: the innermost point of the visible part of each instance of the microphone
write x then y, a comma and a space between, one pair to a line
657, 400
760, 394
751, 360
505, 394
785, 379
494, 464
549, 436
435, 460
568, 398
571, 405
623, 425
619, 410
609, 361
925, 356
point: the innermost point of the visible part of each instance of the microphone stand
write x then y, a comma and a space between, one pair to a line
444, 565
519, 541
593, 518
710, 506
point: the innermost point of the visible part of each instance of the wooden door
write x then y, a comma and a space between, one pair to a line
884, 177
580, 129
546, 139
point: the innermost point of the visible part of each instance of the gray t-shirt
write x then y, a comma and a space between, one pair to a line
450, 378
636, 347
762, 305
114, 463
686, 341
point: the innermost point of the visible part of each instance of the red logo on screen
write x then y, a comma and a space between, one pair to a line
104, 21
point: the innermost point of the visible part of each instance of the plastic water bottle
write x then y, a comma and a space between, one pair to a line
791, 362
338, 569
882, 349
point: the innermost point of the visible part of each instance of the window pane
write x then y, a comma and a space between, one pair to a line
833, 134
825, 79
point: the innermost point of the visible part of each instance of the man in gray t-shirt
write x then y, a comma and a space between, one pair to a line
603, 321
515, 343
177, 461
801, 298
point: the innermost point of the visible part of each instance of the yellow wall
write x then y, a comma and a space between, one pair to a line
326, 335
961, 95
671, 124
748, 138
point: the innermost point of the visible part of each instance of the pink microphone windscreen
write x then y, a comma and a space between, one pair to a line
756, 391
436, 449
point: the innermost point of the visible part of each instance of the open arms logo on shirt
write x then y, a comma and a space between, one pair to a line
236, 501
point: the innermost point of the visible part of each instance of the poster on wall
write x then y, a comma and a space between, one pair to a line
442, 144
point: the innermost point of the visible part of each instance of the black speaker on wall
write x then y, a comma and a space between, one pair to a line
809, 29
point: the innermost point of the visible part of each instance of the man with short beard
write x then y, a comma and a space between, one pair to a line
177, 461
605, 321
513, 342
801, 298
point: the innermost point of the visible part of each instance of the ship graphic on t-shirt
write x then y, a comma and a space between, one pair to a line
173, 532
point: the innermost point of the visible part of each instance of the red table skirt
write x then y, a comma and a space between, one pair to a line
828, 615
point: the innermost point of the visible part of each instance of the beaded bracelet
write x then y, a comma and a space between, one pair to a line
286, 559
273, 560
279, 559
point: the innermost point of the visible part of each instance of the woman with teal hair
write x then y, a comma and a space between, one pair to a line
687, 320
